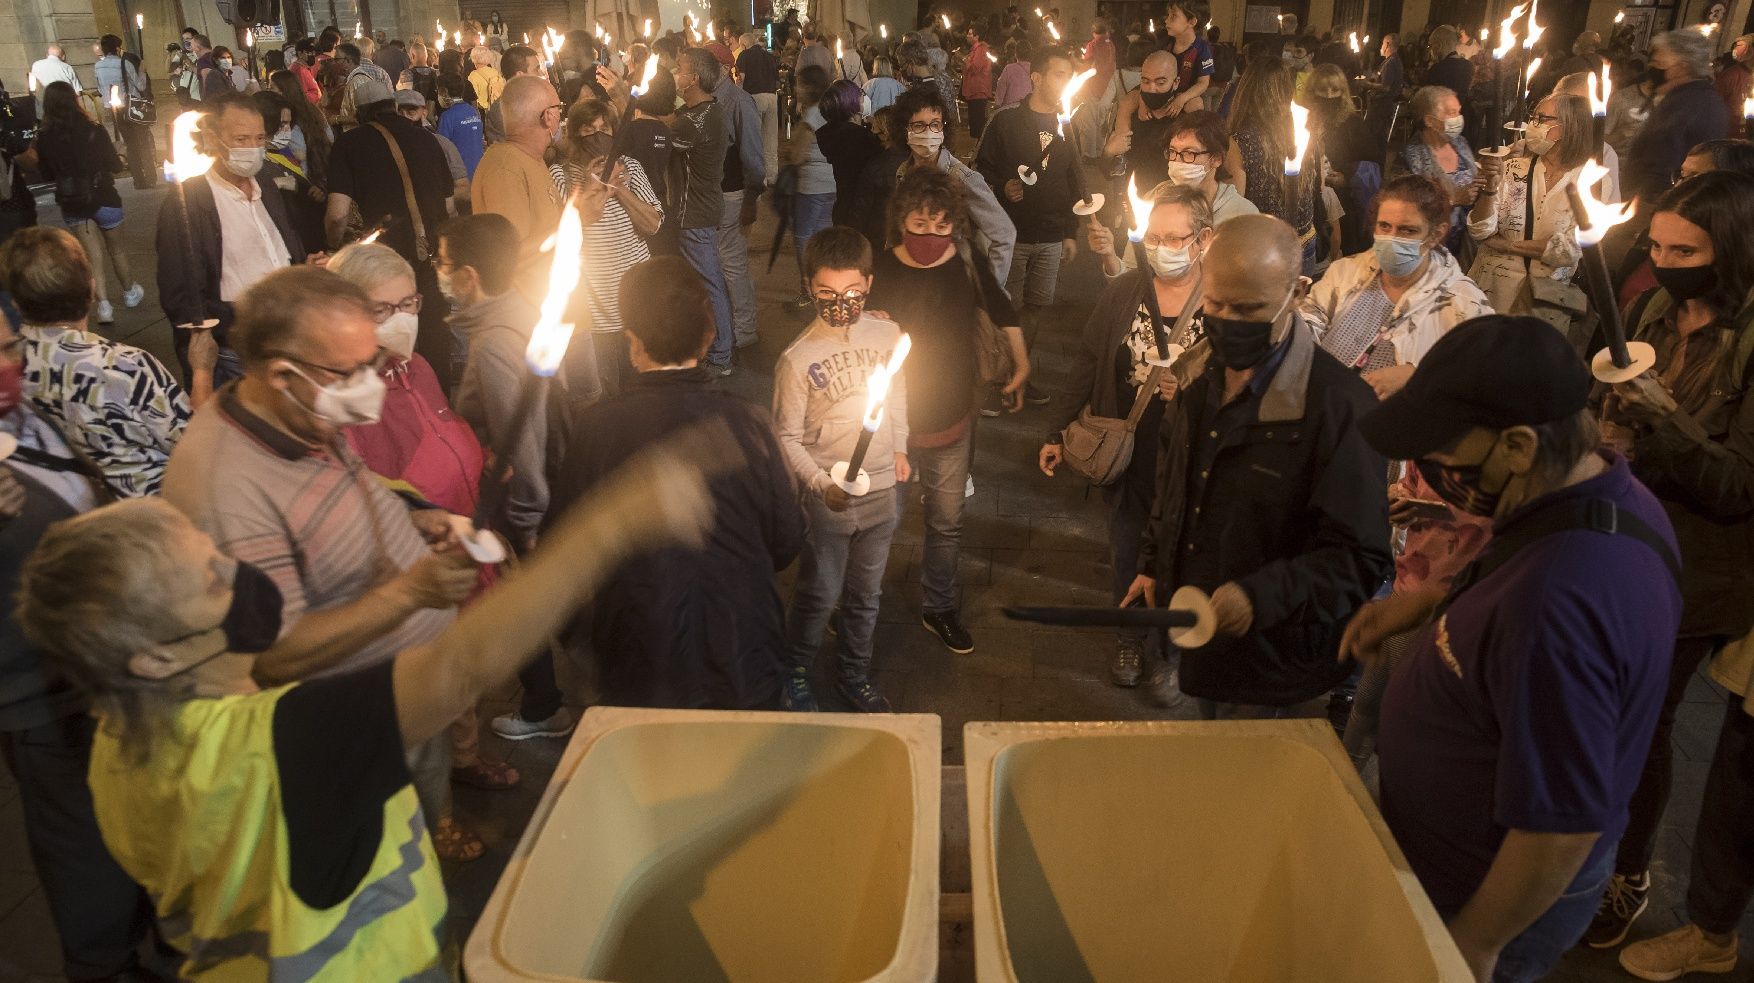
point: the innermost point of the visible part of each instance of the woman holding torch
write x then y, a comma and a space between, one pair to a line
1115, 363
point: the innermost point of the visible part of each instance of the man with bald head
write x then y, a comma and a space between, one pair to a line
513, 181
1171, 82
1267, 497
52, 67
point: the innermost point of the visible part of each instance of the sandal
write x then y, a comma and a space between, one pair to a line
490, 775
452, 842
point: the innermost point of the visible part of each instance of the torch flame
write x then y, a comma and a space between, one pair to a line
1141, 208
1535, 30
1602, 216
1748, 108
526, 37
1151, 26
1484, 28
249, 39
1072, 88
372, 236
1620, 17
439, 43
837, 49
457, 37
33, 81
1533, 69
648, 27
645, 81
1299, 137
1038, 13
140, 22
1352, 38
709, 31
877, 385
992, 58
1053, 30
1507, 32
356, 30
115, 97
549, 338
1599, 107
883, 29
1708, 29
186, 160
946, 19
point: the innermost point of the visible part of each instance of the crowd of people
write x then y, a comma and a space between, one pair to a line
257, 595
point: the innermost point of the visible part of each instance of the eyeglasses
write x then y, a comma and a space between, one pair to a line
1173, 242
926, 126
855, 295
1185, 156
374, 364
381, 312
1543, 120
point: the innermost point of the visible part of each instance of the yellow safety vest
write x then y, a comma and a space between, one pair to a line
199, 825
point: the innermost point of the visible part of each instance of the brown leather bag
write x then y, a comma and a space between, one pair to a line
1099, 448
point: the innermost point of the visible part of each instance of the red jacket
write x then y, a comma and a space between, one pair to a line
307, 80
977, 73
421, 441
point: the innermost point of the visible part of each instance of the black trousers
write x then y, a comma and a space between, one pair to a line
1652, 796
1722, 880
100, 913
977, 117
142, 154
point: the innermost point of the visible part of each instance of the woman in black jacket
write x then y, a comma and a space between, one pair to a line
848, 144
76, 153
1109, 371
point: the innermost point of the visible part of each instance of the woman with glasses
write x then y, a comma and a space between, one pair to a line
1110, 372
1196, 149
1522, 221
618, 215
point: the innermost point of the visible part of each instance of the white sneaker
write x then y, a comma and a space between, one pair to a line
514, 727
1674, 955
968, 489
106, 314
133, 296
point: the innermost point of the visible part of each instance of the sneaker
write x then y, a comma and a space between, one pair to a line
1125, 671
720, 370
797, 697
864, 696
1164, 688
1034, 396
1672, 956
1622, 903
992, 404
133, 296
948, 627
106, 313
968, 489
514, 727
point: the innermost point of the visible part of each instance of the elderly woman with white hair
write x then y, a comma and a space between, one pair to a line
1437, 149
485, 78
1689, 113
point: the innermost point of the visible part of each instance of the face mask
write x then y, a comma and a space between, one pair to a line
348, 403
252, 622
1655, 75
1242, 344
925, 249
1459, 484
1397, 256
1187, 175
925, 144
398, 331
841, 312
11, 387
1539, 145
225, 63
1155, 100
597, 146
1686, 282
281, 139
1170, 264
444, 284
1452, 127
244, 161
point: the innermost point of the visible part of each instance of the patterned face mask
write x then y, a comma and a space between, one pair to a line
841, 310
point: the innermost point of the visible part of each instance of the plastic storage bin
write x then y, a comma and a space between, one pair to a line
705, 846
1187, 851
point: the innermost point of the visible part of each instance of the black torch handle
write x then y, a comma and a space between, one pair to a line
1160, 336
1105, 617
859, 449
496, 484
1601, 288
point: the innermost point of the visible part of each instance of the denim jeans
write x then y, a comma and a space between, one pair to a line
734, 260
701, 248
1035, 273
1722, 880
810, 215
1533, 954
943, 475
843, 560
1127, 518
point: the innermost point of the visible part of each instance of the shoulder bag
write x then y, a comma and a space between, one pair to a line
141, 109
994, 364
1099, 448
420, 250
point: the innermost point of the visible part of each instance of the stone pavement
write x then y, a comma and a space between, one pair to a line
1027, 539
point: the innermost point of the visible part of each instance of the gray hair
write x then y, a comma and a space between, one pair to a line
1444, 40
1690, 47
368, 264
481, 55
1425, 100
272, 315
92, 595
1193, 199
703, 65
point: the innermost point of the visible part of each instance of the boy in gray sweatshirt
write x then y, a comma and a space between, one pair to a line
819, 400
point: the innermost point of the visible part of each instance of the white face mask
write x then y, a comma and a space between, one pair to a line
350, 402
281, 139
1452, 127
1170, 264
244, 161
225, 63
444, 284
1539, 145
926, 144
1187, 175
398, 332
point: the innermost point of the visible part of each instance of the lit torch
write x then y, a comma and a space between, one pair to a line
648, 31
645, 81
1294, 164
1072, 87
1748, 117
1621, 360
1599, 106
946, 19
1053, 30
883, 29
116, 98
186, 162
1141, 208
1620, 17
847, 474
839, 65
1530, 36
1506, 44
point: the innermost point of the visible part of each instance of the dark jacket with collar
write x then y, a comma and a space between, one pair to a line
1296, 510
191, 255
1688, 115
680, 627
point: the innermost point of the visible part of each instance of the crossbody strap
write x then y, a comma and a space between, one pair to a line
1143, 397
407, 191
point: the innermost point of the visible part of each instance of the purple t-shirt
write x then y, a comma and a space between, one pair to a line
1530, 703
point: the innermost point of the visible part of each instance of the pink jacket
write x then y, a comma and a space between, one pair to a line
1014, 85
421, 441
977, 73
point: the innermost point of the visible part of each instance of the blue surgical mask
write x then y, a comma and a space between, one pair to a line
1397, 256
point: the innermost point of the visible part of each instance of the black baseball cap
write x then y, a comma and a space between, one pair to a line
1495, 371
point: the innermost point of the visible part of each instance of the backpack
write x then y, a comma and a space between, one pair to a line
77, 193
425, 82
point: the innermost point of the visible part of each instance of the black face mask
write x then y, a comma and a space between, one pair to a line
597, 146
1686, 282
1240, 344
1155, 100
1655, 75
1459, 484
252, 623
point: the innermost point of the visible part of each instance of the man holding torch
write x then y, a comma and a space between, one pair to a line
1262, 490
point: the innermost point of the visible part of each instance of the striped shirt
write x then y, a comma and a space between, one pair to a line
325, 528
612, 245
